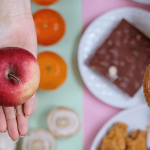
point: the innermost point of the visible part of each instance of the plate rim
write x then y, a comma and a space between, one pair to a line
82, 40
101, 130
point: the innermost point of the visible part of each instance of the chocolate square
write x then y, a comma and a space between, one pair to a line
123, 57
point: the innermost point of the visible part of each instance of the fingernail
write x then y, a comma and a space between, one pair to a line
16, 141
27, 117
22, 135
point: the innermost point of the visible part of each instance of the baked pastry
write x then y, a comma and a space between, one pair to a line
146, 85
116, 138
98, 148
137, 140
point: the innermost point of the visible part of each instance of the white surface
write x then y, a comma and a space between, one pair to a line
92, 38
6, 143
143, 1
137, 118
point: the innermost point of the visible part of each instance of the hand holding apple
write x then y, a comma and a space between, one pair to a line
17, 30
19, 76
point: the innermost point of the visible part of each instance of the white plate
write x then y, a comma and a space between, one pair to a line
143, 1
92, 38
136, 118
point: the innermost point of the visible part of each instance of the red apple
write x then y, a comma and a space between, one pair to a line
19, 76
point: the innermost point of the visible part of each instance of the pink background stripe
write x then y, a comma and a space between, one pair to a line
96, 113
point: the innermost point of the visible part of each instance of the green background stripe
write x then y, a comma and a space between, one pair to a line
70, 93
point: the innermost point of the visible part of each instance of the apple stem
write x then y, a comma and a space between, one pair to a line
10, 75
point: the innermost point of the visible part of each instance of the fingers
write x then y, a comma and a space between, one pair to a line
16, 124
22, 121
11, 123
3, 125
29, 107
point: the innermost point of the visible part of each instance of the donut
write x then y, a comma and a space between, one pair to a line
146, 85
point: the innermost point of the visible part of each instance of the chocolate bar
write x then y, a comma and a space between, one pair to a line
123, 57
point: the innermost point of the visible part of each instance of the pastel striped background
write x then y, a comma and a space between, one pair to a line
78, 14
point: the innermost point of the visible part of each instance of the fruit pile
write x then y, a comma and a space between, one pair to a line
50, 28
18, 74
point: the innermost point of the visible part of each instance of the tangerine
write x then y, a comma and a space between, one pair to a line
50, 26
45, 2
53, 70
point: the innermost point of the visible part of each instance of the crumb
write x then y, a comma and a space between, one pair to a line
116, 138
137, 140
